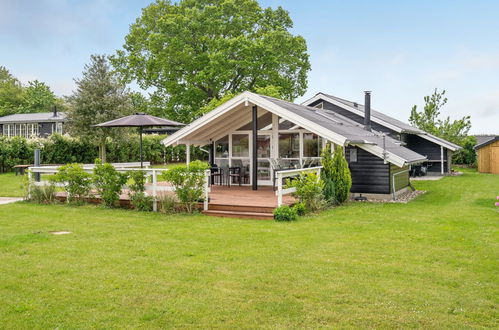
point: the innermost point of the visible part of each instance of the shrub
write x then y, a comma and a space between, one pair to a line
138, 183
309, 189
138, 198
108, 182
188, 181
336, 175
39, 194
326, 175
76, 181
168, 203
285, 213
300, 208
141, 202
466, 155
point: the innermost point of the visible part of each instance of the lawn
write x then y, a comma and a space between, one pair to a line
432, 263
11, 185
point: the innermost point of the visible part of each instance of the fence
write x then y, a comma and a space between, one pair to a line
290, 173
152, 186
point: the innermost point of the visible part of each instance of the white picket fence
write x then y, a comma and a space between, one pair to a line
152, 188
291, 173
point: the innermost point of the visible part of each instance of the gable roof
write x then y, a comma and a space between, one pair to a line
485, 140
32, 117
327, 124
382, 119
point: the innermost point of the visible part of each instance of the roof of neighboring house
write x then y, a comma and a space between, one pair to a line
32, 117
325, 123
484, 140
382, 119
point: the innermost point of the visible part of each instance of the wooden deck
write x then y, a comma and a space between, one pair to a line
243, 202
234, 201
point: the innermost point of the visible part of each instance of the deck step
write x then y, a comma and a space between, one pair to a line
239, 214
240, 208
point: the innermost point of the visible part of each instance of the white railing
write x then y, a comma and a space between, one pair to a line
151, 189
289, 173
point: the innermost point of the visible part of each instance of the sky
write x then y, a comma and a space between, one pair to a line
400, 50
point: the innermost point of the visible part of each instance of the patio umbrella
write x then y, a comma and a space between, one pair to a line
139, 120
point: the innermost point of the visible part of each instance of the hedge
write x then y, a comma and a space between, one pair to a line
63, 149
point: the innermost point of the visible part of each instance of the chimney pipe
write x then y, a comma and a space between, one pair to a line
55, 111
367, 110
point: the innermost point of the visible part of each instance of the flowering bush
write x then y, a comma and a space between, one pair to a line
497, 203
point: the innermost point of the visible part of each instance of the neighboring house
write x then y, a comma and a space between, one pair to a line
437, 151
487, 149
254, 132
28, 125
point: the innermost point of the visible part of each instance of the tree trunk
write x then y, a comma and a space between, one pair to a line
102, 150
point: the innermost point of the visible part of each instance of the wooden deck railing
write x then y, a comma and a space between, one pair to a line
152, 173
290, 173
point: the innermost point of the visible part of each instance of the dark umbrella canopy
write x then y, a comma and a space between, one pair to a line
139, 120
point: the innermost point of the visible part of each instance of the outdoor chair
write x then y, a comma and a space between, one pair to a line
275, 167
217, 172
235, 172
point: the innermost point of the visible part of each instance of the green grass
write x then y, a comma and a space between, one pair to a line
432, 263
11, 185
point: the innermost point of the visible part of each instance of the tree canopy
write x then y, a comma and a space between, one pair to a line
194, 51
11, 92
16, 98
99, 97
428, 119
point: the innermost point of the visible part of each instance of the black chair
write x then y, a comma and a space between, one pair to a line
235, 172
217, 172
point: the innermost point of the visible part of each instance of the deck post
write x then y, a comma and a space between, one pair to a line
187, 153
206, 189
279, 189
254, 160
154, 199
29, 184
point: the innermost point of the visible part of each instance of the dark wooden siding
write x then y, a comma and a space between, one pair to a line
45, 129
353, 116
426, 148
401, 180
369, 173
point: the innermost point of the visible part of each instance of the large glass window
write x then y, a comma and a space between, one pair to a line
263, 146
289, 145
222, 148
240, 145
311, 145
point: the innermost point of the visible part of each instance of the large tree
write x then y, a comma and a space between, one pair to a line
11, 93
194, 51
37, 98
99, 97
428, 119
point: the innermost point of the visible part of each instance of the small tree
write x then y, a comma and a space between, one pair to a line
327, 175
108, 182
428, 119
340, 176
99, 97
188, 181
76, 181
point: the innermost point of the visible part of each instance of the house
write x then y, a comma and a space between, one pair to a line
252, 132
487, 150
28, 125
437, 151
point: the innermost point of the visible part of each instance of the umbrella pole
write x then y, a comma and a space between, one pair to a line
141, 159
